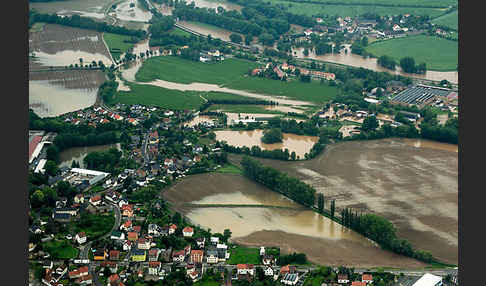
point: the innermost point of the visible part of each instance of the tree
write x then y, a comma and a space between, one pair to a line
407, 64
306, 52
370, 124
364, 41
273, 135
332, 208
235, 38
37, 199
51, 168
226, 235
320, 202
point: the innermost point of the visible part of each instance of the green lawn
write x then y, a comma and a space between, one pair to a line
439, 54
227, 96
60, 249
230, 169
450, 20
177, 31
311, 9
117, 41
95, 225
157, 96
231, 73
314, 281
207, 283
244, 255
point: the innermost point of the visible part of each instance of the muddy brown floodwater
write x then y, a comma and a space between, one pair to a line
349, 59
77, 154
52, 93
413, 183
292, 228
295, 143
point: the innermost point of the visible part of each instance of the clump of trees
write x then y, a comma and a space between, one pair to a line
273, 135
103, 161
408, 65
387, 62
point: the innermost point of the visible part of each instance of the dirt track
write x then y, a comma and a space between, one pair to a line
415, 188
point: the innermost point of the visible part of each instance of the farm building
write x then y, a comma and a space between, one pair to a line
420, 95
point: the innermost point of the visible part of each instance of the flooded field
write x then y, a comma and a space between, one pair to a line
126, 13
413, 183
67, 157
349, 59
57, 45
52, 93
215, 32
273, 226
214, 4
294, 143
93, 6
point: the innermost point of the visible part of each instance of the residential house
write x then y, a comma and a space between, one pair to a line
243, 269
82, 271
138, 255
196, 256
122, 202
143, 243
113, 196
137, 229
132, 236
268, 260
358, 283
200, 241
127, 225
114, 279
111, 265
367, 278
187, 250
114, 254
81, 237
95, 200
343, 279
287, 269
262, 250
154, 229
85, 280
212, 256
178, 256
154, 267
194, 275
268, 271
153, 254
127, 245
127, 210
188, 231
79, 199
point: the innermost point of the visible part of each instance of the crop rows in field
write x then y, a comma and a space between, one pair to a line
71, 79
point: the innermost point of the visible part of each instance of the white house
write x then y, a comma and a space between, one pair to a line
343, 279
154, 267
172, 228
188, 231
178, 256
212, 256
143, 243
244, 269
262, 250
367, 278
118, 235
81, 237
214, 240
79, 199
268, 271
154, 229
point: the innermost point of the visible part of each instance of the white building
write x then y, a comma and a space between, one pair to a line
290, 279
268, 271
262, 251
429, 280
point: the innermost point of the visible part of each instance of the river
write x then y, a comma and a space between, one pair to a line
349, 59
294, 143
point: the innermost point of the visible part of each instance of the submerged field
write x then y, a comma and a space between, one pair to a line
278, 222
413, 183
231, 73
438, 54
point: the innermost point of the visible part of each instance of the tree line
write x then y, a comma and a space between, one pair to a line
279, 182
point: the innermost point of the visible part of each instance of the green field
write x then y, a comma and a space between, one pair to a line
241, 255
207, 283
449, 20
157, 96
177, 31
60, 249
414, 3
95, 225
311, 9
231, 73
439, 54
230, 169
117, 41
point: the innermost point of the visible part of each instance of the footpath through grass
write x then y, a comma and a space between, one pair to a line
438, 54
231, 73
241, 255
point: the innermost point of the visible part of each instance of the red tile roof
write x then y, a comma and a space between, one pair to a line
188, 229
33, 144
366, 277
